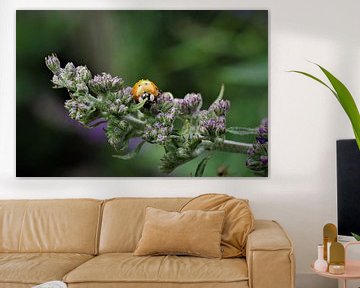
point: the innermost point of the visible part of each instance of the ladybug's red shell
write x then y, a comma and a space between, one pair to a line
145, 89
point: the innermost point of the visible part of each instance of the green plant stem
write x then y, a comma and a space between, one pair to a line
134, 120
234, 147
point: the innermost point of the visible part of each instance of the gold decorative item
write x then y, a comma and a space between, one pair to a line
337, 258
330, 236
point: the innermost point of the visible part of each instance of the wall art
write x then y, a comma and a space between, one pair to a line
142, 93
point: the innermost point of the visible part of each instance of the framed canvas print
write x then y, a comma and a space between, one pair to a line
142, 93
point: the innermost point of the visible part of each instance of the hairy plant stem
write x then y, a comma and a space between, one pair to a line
234, 147
134, 120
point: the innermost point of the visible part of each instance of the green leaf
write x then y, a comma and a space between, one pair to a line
316, 79
201, 167
347, 102
356, 236
221, 93
186, 128
241, 131
132, 154
343, 96
138, 106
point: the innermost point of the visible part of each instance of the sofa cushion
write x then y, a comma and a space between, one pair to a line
36, 268
239, 220
123, 220
64, 226
126, 268
193, 232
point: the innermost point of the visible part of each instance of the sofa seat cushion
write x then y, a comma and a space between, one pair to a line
36, 268
127, 268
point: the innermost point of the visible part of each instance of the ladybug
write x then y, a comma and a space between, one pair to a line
145, 89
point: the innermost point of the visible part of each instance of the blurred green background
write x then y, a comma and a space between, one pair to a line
181, 51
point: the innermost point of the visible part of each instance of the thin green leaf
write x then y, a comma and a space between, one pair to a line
132, 154
347, 102
201, 167
241, 131
138, 106
314, 78
356, 236
357, 137
343, 96
221, 93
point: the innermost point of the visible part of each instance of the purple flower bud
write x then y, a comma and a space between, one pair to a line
165, 98
262, 130
82, 88
127, 91
103, 83
83, 74
262, 137
116, 84
53, 63
213, 126
251, 151
220, 107
57, 81
257, 160
78, 109
157, 133
264, 159
190, 104
69, 71
262, 140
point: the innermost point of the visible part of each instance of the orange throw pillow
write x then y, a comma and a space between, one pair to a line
196, 233
239, 220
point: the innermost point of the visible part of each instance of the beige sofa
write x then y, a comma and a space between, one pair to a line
89, 243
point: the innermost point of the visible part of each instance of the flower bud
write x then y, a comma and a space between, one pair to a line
83, 74
69, 71
82, 88
190, 104
220, 107
104, 83
53, 63
213, 126
116, 84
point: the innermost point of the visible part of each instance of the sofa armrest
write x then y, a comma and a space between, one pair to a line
269, 256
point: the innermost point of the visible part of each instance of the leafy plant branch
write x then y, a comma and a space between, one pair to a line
180, 125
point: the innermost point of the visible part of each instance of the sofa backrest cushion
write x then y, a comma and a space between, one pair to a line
66, 226
239, 220
123, 220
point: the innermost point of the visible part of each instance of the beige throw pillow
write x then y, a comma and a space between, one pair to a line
194, 232
239, 221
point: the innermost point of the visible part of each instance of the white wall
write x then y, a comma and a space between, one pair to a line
305, 119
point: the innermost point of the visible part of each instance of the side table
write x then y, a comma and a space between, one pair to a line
352, 268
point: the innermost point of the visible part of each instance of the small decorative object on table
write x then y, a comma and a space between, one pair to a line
51, 284
337, 258
329, 236
340, 267
320, 264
